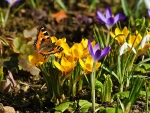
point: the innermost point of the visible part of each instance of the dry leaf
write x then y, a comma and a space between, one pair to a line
59, 16
30, 33
8, 84
25, 64
12, 79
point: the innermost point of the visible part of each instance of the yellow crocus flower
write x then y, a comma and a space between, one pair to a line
145, 44
134, 40
119, 35
65, 65
78, 50
37, 59
88, 64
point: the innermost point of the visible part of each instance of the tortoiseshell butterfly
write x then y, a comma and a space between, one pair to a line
43, 43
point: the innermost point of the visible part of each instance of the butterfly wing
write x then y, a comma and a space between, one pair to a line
50, 49
42, 36
44, 45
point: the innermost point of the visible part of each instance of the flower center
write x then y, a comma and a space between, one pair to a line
12, 1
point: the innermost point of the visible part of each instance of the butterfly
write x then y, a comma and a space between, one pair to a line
43, 43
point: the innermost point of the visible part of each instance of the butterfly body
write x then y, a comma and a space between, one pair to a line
43, 43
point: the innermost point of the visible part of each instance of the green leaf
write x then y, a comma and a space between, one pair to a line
134, 92
71, 106
143, 68
110, 71
93, 4
85, 105
122, 95
107, 89
17, 44
109, 110
125, 8
61, 4
98, 86
62, 107
143, 93
112, 110
22, 46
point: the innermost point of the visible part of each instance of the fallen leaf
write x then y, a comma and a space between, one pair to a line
8, 84
59, 16
12, 79
30, 33
5, 86
25, 64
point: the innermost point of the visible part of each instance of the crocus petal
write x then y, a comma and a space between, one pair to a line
147, 2
149, 12
89, 60
97, 55
105, 51
124, 48
110, 21
30, 57
117, 18
125, 31
134, 51
122, 18
112, 35
148, 38
90, 48
145, 40
108, 13
82, 63
12, 2
131, 46
100, 20
88, 68
96, 47
100, 16
59, 66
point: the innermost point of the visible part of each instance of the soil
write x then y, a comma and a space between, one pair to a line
26, 97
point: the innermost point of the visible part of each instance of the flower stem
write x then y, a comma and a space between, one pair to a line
7, 14
108, 37
93, 86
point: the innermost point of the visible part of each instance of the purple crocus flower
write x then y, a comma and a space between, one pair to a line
109, 20
149, 12
12, 2
96, 53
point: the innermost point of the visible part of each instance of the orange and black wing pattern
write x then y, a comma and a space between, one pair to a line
43, 43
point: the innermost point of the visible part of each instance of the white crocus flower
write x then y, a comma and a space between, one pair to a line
125, 47
146, 2
145, 40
